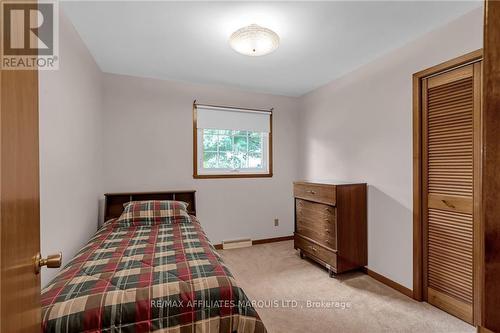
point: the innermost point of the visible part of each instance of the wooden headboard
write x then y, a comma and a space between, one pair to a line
113, 203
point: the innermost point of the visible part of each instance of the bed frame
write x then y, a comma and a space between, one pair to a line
113, 203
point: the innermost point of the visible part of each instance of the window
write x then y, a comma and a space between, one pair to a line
232, 142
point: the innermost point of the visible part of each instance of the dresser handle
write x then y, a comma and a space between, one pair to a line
327, 230
313, 248
311, 192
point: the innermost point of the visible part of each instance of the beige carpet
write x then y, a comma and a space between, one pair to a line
358, 303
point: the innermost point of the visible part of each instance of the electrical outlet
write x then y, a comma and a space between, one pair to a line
276, 222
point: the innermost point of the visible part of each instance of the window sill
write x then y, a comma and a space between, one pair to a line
243, 175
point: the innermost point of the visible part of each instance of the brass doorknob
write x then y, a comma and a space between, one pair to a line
52, 261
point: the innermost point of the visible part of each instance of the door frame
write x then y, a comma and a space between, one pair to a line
490, 321
418, 213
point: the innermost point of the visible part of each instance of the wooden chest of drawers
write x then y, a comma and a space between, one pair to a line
330, 224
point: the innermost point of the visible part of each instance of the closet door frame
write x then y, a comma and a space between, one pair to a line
419, 287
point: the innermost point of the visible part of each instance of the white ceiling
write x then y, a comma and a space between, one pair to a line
188, 41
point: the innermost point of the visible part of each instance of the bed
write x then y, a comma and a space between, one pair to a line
160, 278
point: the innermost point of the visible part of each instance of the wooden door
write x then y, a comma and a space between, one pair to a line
451, 111
19, 196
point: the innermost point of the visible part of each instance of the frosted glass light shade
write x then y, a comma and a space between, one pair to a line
254, 40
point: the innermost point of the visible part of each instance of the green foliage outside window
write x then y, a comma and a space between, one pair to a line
228, 149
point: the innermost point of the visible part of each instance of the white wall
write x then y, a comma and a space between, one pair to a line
148, 146
70, 149
359, 127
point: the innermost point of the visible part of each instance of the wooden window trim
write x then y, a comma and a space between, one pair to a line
417, 182
243, 175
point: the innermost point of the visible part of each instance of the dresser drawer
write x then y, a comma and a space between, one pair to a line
315, 211
317, 251
319, 235
316, 221
315, 192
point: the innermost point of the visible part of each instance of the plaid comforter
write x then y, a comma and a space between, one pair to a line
163, 278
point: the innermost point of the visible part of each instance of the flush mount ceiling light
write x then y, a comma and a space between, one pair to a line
254, 40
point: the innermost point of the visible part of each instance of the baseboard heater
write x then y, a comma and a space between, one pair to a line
236, 243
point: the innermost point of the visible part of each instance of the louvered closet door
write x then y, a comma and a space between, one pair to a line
450, 104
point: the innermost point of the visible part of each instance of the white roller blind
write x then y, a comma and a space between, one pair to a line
232, 119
